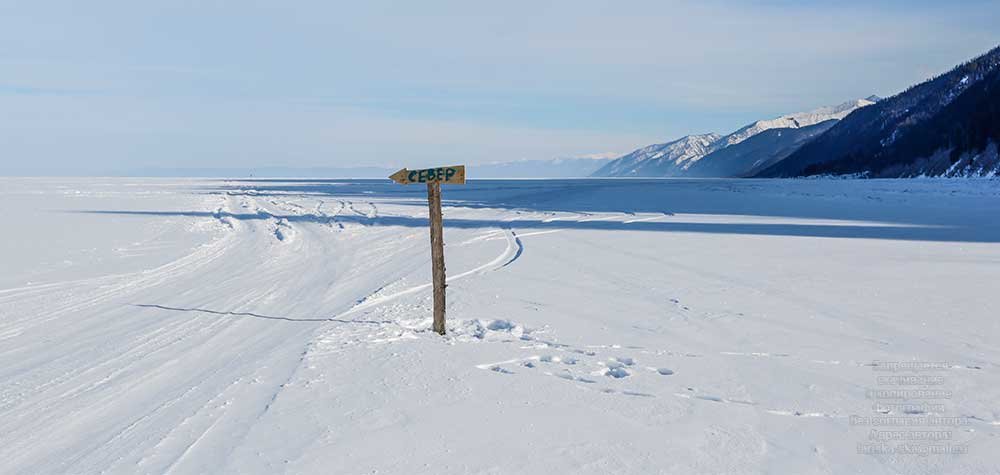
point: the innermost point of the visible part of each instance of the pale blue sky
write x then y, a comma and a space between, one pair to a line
100, 86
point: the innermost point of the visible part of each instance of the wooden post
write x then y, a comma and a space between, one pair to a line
437, 254
434, 177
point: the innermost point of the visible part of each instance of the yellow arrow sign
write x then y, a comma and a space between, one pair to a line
434, 178
454, 175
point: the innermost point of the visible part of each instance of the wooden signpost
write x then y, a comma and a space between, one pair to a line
435, 177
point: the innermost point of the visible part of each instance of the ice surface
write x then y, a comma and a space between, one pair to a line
595, 326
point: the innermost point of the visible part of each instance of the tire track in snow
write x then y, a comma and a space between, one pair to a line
247, 370
97, 378
203, 383
279, 225
120, 364
511, 253
115, 286
370, 215
520, 248
330, 219
201, 436
144, 347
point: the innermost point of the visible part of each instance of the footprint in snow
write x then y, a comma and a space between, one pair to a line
616, 367
624, 360
617, 373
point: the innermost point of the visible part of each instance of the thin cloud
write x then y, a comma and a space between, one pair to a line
304, 83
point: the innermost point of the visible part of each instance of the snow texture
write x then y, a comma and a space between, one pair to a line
595, 326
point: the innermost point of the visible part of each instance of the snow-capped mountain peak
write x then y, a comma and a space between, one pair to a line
796, 120
663, 159
677, 157
687, 149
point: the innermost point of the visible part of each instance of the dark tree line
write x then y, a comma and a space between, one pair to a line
956, 110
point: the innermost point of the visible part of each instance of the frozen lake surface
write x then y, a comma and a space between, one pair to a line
596, 326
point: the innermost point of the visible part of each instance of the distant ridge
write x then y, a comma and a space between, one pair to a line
666, 159
756, 153
948, 125
554, 168
694, 155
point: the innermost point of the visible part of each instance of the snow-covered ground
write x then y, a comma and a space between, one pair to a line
596, 326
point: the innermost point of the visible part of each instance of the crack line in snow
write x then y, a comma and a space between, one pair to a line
266, 317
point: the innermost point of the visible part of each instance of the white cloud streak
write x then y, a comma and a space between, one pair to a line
303, 83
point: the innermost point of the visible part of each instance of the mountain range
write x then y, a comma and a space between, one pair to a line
739, 153
666, 159
756, 152
946, 126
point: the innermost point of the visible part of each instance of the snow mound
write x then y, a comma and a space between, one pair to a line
488, 330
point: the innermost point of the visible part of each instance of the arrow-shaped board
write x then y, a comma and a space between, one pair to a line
434, 178
445, 175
